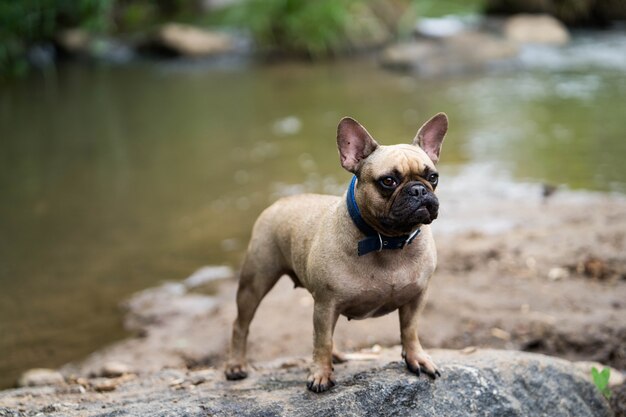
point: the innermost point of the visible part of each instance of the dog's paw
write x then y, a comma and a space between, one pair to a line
320, 381
421, 362
235, 372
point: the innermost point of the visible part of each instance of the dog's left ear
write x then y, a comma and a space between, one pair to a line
430, 136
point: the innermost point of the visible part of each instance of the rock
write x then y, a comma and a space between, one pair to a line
154, 307
482, 382
593, 267
465, 52
6, 412
481, 48
197, 379
104, 385
538, 29
80, 43
208, 274
365, 29
74, 41
191, 41
409, 55
441, 27
111, 50
52, 408
618, 400
40, 377
114, 370
372, 24
557, 273
41, 55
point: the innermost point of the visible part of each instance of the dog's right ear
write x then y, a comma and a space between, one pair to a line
354, 143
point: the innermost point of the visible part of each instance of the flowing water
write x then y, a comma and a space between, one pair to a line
113, 179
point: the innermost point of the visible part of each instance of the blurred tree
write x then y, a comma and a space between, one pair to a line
312, 27
25, 23
318, 28
138, 15
573, 12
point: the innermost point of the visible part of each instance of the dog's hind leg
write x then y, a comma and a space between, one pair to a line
256, 280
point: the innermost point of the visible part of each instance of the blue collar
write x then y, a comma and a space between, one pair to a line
373, 241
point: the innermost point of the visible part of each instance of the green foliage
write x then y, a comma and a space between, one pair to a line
323, 27
316, 28
438, 8
601, 380
34, 20
24, 23
135, 15
139, 15
27, 22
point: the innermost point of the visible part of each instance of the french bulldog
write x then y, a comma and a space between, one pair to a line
362, 255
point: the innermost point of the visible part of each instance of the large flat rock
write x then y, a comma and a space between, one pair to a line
482, 382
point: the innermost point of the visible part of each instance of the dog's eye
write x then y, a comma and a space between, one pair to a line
389, 182
433, 178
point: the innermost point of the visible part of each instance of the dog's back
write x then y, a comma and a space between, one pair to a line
283, 232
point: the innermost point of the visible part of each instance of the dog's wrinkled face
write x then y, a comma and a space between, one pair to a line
396, 184
395, 190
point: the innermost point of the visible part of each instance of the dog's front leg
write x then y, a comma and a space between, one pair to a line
324, 320
417, 360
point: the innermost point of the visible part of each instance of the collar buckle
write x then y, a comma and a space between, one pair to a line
374, 241
412, 236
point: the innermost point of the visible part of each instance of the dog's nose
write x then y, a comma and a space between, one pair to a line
418, 190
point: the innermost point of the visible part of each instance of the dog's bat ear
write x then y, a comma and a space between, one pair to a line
430, 136
354, 143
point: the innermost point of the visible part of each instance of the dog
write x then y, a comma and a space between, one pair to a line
362, 255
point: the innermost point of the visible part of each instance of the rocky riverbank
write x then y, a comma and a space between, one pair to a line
474, 382
521, 266
525, 267
434, 47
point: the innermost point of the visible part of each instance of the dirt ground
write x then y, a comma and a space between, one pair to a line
517, 270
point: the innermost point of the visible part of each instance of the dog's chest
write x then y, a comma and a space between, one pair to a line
381, 292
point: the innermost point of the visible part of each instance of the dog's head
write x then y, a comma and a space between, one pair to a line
396, 184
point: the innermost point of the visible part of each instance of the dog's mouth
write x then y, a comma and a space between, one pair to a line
404, 221
425, 214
